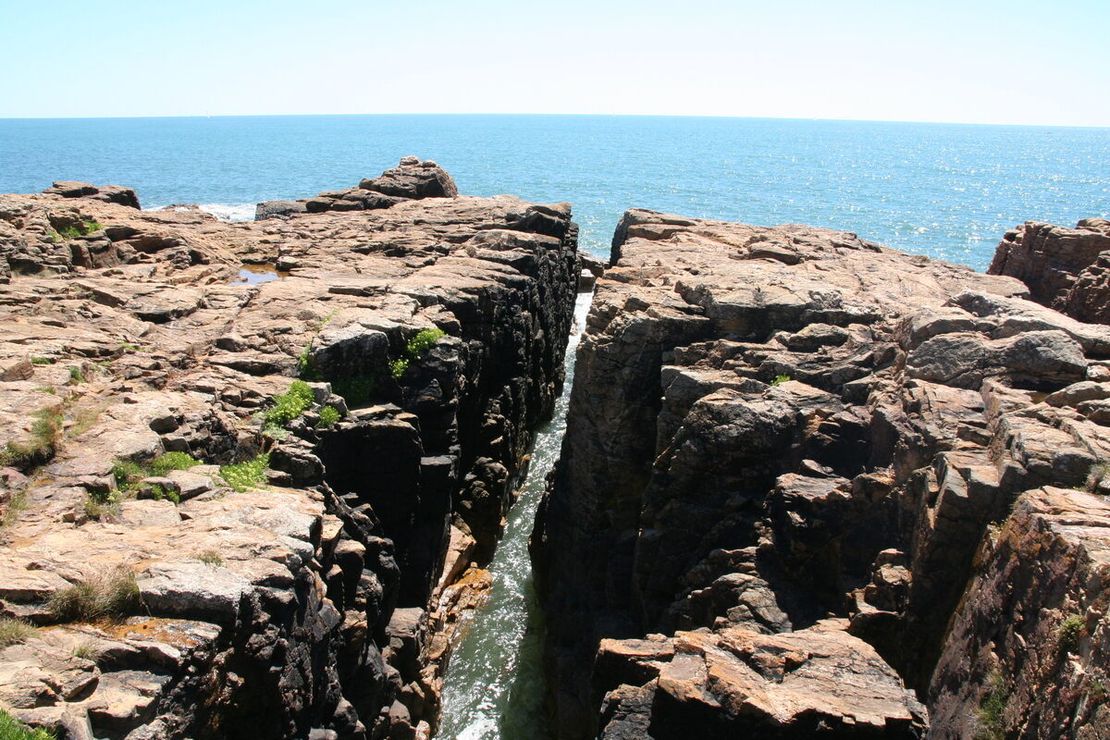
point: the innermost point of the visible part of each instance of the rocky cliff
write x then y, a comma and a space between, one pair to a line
241, 462
815, 487
1066, 269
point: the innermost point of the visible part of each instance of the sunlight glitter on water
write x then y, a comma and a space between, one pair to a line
494, 686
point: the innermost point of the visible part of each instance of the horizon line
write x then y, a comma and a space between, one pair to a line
554, 115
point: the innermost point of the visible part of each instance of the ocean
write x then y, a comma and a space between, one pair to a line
945, 190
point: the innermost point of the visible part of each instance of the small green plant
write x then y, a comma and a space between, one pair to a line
53, 235
246, 475
158, 492
991, 708
306, 369
290, 405
128, 347
76, 375
210, 557
101, 504
14, 631
13, 729
47, 389
424, 340
81, 228
110, 596
86, 651
1069, 632
44, 439
168, 461
127, 474
780, 379
42, 360
17, 504
328, 416
398, 367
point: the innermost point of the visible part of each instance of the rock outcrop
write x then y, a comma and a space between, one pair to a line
791, 461
194, 543
412, 179
1066, 269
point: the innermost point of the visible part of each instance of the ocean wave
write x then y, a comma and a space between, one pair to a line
222, 211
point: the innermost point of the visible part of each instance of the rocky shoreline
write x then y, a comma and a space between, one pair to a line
812, 487
250, 469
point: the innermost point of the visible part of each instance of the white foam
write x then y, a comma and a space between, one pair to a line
222, 211
229, 211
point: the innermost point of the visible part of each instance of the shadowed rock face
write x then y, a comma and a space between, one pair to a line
303, 606
772, 426
1066, 269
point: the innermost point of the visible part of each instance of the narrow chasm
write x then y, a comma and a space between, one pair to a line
495, 684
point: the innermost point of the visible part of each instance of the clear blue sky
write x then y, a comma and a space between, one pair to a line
994, 61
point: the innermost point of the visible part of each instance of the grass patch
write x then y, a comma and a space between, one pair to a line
210, 557
127, 474
158, 492
172, 461
290, 405
328, 416
1069, 632
81, 228
13, 729
991, 708
100, 505
42, 360
110, 596
780, 379
14, 631
76, 376
17, 504
86, 651
248, 474
41, 445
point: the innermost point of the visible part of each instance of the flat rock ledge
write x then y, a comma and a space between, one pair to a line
194, 545
815, 487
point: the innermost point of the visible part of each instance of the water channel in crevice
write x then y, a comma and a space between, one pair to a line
495, 685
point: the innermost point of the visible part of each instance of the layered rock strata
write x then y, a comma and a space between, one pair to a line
412, 179
1066, 269
196, 546
803, 493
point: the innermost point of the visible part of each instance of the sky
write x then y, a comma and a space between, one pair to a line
1012, 61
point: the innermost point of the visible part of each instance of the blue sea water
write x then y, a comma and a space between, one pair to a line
949, 191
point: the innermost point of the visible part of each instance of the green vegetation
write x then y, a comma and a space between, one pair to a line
305, 368
81, 228
83, 420
100, 504
423, 341
129, 474
1069, 632
14, 631
40, 448
246, 475
42, 360
290, 405
993, 705
398, 367
159, 492
76, 376
328, 416
357, 390
172, 461
17, 504
86, 651
13, 729
109, 596
210, 557
780, 379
